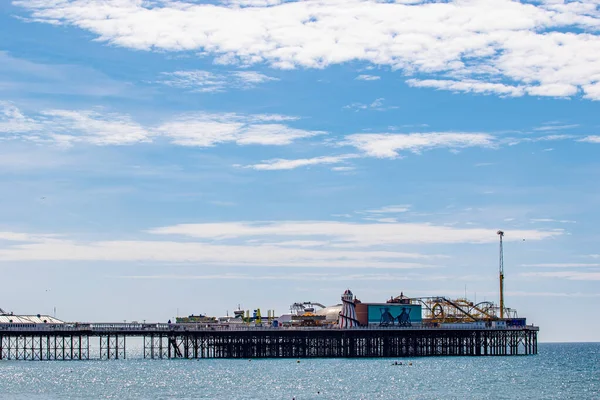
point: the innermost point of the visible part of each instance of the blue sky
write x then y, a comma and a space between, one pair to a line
181, 157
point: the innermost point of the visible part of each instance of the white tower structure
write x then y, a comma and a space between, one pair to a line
347, 318
501, 234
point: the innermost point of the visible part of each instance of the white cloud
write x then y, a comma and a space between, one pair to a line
354, 234
12, 121
66, 127
569, 275
253, 3
389, 145
282, 164
284, 243
206, 81
518, 44
551, 294
390, 209
590, 139
365, 77
24, 237
562, 221
376, 105
469, 86
555, 127
204, 130
592, 91
512, 141
382, 220
291, 253
343, 169
327, 277
252, 77
562, 265
553, 90
207, 253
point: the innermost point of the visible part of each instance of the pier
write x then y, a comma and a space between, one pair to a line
188, 341
399, 327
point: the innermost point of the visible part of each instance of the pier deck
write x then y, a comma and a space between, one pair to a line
188, 341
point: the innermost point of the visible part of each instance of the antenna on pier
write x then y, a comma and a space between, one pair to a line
501, 234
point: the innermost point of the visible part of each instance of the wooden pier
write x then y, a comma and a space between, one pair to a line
162, 341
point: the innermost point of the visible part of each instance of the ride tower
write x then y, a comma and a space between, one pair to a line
347, 318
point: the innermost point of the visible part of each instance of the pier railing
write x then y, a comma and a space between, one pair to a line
165, 327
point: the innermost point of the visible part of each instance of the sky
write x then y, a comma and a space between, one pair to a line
163, 158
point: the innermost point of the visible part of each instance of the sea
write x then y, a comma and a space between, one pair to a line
559, 371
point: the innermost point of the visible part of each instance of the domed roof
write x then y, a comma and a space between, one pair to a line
331, 313
348, 291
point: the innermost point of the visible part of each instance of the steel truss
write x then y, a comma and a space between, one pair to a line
44, 347
274, 344
112, 347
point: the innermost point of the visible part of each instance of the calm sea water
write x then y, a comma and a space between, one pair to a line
559, 371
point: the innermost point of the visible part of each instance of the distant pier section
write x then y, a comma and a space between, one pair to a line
399, 327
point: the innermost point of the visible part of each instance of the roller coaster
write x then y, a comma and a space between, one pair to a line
444, 310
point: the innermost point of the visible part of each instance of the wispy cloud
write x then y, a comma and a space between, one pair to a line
552, 294
390, 209
376, 105
562, 221
469, 86
343, 169
355, 234
67, 127
210, 254
205, 130
555, 127
100, 127
327, 277
562, 265
283, 164
569, 275
367, 78
389, 145
282, 243
591, 139
501, 89
12, 121
206, 81
25, 237
513, 141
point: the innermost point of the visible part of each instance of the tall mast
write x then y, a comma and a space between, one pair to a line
501, 234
